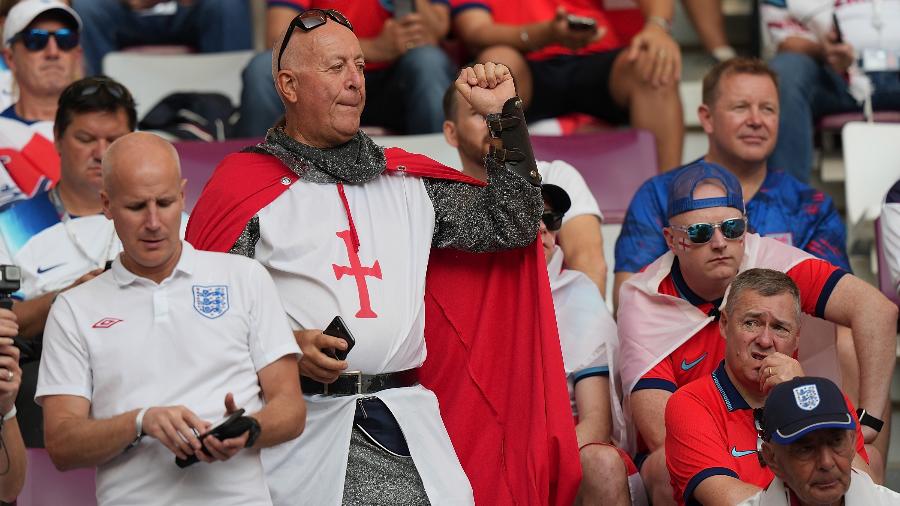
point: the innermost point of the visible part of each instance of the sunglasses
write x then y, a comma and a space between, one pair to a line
97, 83
310, 20
36, 39
553, 221
701, 233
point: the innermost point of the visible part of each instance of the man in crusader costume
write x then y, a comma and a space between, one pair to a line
346, 228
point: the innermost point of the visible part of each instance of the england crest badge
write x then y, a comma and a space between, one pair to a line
211, 301
807, 397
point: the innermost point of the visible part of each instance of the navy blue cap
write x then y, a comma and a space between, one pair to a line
797, 407
681, 189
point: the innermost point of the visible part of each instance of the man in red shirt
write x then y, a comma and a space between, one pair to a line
589, 63
711, 434
406, 70
667, 318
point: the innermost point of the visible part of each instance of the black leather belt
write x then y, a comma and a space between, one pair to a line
357, 383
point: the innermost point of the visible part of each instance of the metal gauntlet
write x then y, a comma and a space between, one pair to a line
516, 154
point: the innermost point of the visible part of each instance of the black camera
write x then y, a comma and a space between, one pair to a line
10, 282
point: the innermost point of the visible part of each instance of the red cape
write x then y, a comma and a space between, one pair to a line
494, 358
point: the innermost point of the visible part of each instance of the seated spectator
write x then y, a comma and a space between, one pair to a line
59, 239
580, 237
582, 66
13, 460
587, 334
711, 431
212, 321
808, 441
41, 48
406, 70
739, 114
890, 235
825, 69
667, 317
207, 25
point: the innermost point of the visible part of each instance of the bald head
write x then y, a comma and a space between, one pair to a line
321, 84
139, 152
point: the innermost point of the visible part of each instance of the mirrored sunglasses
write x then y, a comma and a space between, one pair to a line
36, 39
309, 20
702, 233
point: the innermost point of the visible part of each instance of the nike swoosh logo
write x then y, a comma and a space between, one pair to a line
45, 269
741, 453
687, 366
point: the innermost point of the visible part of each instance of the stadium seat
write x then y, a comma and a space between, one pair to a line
872, 162
45, 486
199, 159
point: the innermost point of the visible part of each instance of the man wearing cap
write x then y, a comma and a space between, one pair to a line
587, 335
808, 438
580, 237
41, 47
667, 319
739, 113
711, 430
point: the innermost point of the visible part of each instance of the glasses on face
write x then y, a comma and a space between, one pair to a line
553, 221
310, 20
36, 39
702, 233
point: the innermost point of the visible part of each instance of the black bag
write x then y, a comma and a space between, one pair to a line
192, 116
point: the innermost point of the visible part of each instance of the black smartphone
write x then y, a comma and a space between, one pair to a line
404, 7
581, 23
337, 328
837, 29
226, 428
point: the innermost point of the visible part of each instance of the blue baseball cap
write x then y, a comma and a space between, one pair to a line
802, 405
682, 186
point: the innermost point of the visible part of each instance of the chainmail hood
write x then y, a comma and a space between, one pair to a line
357, 161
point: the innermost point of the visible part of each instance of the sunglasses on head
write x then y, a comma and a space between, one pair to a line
553, 221
309, 20
36, 39
701, 233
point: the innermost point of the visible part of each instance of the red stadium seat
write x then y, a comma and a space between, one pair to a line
199, 159
614, 164
44, 485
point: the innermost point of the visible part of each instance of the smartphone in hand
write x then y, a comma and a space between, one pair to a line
404, 7
337, 328
581, 23
226, 428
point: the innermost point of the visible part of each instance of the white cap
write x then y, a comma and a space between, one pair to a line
25, 12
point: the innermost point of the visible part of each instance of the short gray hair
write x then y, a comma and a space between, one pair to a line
766, 282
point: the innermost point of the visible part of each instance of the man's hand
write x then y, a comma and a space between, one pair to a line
177, 428
656, 56
399, 36
315, 364
10, 373
572, 39
777, 368
486, 87
838, 54
224, 450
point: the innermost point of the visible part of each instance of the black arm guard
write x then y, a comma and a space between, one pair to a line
516, 154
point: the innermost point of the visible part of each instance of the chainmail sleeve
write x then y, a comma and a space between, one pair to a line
502, 215
245, 245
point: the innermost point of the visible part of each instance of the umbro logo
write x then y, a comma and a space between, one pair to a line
105, 323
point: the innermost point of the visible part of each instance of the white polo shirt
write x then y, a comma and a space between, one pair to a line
123, 342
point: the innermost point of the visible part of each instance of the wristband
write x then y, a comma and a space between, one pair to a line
523, 35
661, 22
10, 414
869, 420
139, 429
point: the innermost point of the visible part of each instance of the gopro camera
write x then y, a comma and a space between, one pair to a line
10, 282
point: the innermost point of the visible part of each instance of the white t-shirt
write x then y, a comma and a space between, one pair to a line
812, 19
379, 290
862, 492
123, 342
569, 179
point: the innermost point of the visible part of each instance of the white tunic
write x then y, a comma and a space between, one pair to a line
306, 245
862, 492
123, 342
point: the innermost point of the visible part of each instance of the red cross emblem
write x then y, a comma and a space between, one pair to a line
359, 272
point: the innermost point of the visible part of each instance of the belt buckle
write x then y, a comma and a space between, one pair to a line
358, 376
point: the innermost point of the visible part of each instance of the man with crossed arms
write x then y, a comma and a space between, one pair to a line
667, 319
